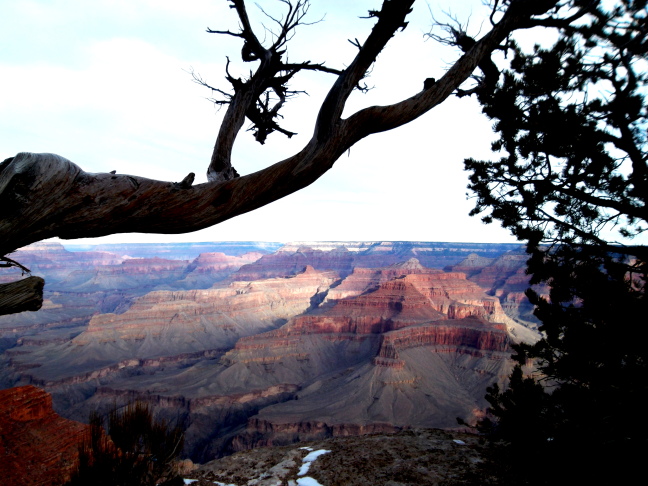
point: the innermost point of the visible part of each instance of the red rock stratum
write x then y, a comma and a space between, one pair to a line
37, 446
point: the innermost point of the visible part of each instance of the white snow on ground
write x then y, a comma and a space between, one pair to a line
314, 455
302, 481
458, 441
309, 459
189, 481
307, 481
304, 469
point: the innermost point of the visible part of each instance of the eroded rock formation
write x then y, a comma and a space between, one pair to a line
173, 323
505, 277
37, 446
252, 362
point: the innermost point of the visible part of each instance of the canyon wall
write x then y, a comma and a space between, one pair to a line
317, 339
37, 446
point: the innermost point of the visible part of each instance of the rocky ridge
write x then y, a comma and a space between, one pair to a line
37, 446
419, 457
173, 324
343, 257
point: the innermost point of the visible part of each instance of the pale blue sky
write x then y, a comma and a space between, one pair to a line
105, 83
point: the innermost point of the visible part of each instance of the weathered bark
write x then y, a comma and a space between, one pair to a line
45, 195
23, 295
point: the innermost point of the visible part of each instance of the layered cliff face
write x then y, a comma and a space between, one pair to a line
250, 362
209, 268
157, 273
72, 291
505, 277
287, 262
80, 285
471, 265
131, 274
449, 294
37, 446
365, 279
168, 323
507, 271
343, 257
179, 250
53, 262
388, 358
382, 253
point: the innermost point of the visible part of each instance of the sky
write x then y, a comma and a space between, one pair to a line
107, 84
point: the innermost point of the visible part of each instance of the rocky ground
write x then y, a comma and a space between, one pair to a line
411, 457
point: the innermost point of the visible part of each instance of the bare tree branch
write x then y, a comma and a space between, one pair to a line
6, 262
23, 295
45, 195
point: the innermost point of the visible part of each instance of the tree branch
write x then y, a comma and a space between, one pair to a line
381, 118
45, 195
23, 295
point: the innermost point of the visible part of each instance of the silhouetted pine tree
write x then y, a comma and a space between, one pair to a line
572, 179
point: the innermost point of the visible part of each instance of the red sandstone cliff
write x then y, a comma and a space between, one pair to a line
37, 446
391, 356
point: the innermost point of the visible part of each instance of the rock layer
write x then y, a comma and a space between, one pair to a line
37, 446
248, 361
173, 323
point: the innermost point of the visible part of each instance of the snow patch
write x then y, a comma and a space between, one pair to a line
314, 455
310, 457
308, 481
189, 481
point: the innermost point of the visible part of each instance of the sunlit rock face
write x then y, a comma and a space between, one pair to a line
239, 308
162, 324
37, 446
417, 350
278, 351
505, 277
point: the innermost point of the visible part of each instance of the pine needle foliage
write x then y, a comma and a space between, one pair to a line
572, 182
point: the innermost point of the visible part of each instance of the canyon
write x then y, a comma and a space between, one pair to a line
251, 344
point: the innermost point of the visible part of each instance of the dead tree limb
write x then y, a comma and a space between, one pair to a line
45, 195
23, 295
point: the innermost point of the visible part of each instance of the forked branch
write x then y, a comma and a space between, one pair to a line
45, 195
